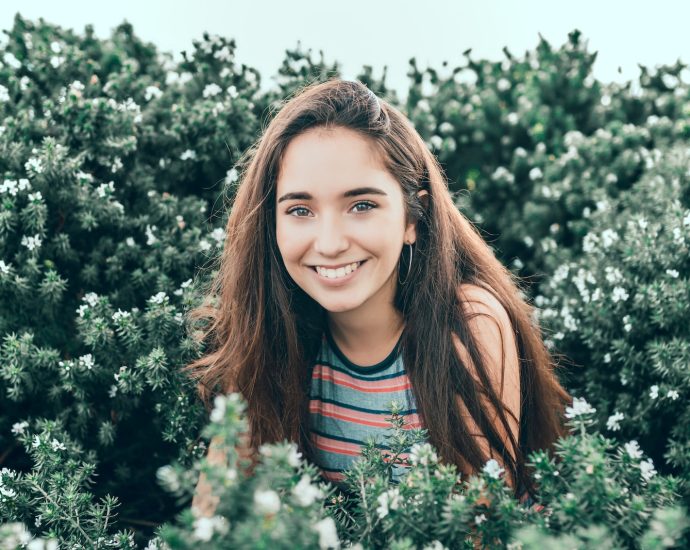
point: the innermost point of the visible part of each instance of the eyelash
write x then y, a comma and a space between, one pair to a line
368, 203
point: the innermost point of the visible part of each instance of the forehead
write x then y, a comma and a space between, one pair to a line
333, 159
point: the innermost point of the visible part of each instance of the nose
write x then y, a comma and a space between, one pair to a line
331, 238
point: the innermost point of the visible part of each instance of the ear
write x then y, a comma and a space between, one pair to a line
411, 231
424, 197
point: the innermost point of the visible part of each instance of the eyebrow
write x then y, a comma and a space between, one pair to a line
351, 193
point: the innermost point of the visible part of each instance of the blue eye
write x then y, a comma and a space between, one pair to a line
369, 204
296, 209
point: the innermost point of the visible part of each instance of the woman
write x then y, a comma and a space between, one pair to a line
345, 249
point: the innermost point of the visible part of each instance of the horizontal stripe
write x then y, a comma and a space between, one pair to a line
349, 408
349, 414
339, 368
349, 449
365, 410
348, 440
338, 378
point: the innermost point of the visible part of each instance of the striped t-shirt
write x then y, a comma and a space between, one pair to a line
348, 404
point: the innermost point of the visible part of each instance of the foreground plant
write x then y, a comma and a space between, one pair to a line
589, 490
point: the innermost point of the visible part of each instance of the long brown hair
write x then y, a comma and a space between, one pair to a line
263, 331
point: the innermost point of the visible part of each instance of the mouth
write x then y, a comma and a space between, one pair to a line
335, 279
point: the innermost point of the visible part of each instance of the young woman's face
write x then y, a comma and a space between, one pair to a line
337, 205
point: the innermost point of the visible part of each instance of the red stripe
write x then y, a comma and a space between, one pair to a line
357, 417
324, 372
349, 449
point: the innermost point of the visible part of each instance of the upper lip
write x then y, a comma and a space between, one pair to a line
337, 266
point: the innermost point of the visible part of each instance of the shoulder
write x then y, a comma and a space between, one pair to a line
478, 300
489, 324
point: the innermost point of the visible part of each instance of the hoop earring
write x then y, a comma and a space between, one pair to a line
409, 266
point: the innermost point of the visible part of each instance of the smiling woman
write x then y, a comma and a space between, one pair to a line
349, 279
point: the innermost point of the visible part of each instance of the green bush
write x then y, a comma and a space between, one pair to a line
619, 310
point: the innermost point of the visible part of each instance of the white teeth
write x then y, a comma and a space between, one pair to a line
337, 273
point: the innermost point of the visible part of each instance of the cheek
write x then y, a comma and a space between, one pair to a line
289, 241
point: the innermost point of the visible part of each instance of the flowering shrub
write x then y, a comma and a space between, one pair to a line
531, 143
620, 310
591, 490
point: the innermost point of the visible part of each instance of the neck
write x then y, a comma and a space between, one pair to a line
371, 331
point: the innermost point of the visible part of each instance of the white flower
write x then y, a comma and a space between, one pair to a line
513, 119
112, 391
633, 449
422, 453
204, 245
34, 165
435, 545
423, 105
105, 189
36, 442
219, 405
328, 534
647, 469
232, 92
293, 457
672, 394
188, 154
5, 268
9, 186
672, 273
4, 94
218, 234
204, 527
436, 141
19, 427
31, 242
626, 323
56, 61
152, 92
231, 176
481, 518
119, 314
607, 358
117, 165
535, 173
388, 500
608, 237
158, 298
305, 493
223, 54
87, 361
130, 241
11, 60
57, 445
589, 242
654, 391
619, 294
503, 84
492, 469
266, 502
211, 89
613, 421
580, 407
150, 237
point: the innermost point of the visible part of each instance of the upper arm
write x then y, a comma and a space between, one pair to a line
493, 333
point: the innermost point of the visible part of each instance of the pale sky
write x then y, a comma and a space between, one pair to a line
389, 32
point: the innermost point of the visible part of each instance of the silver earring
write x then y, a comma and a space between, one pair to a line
409, 266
